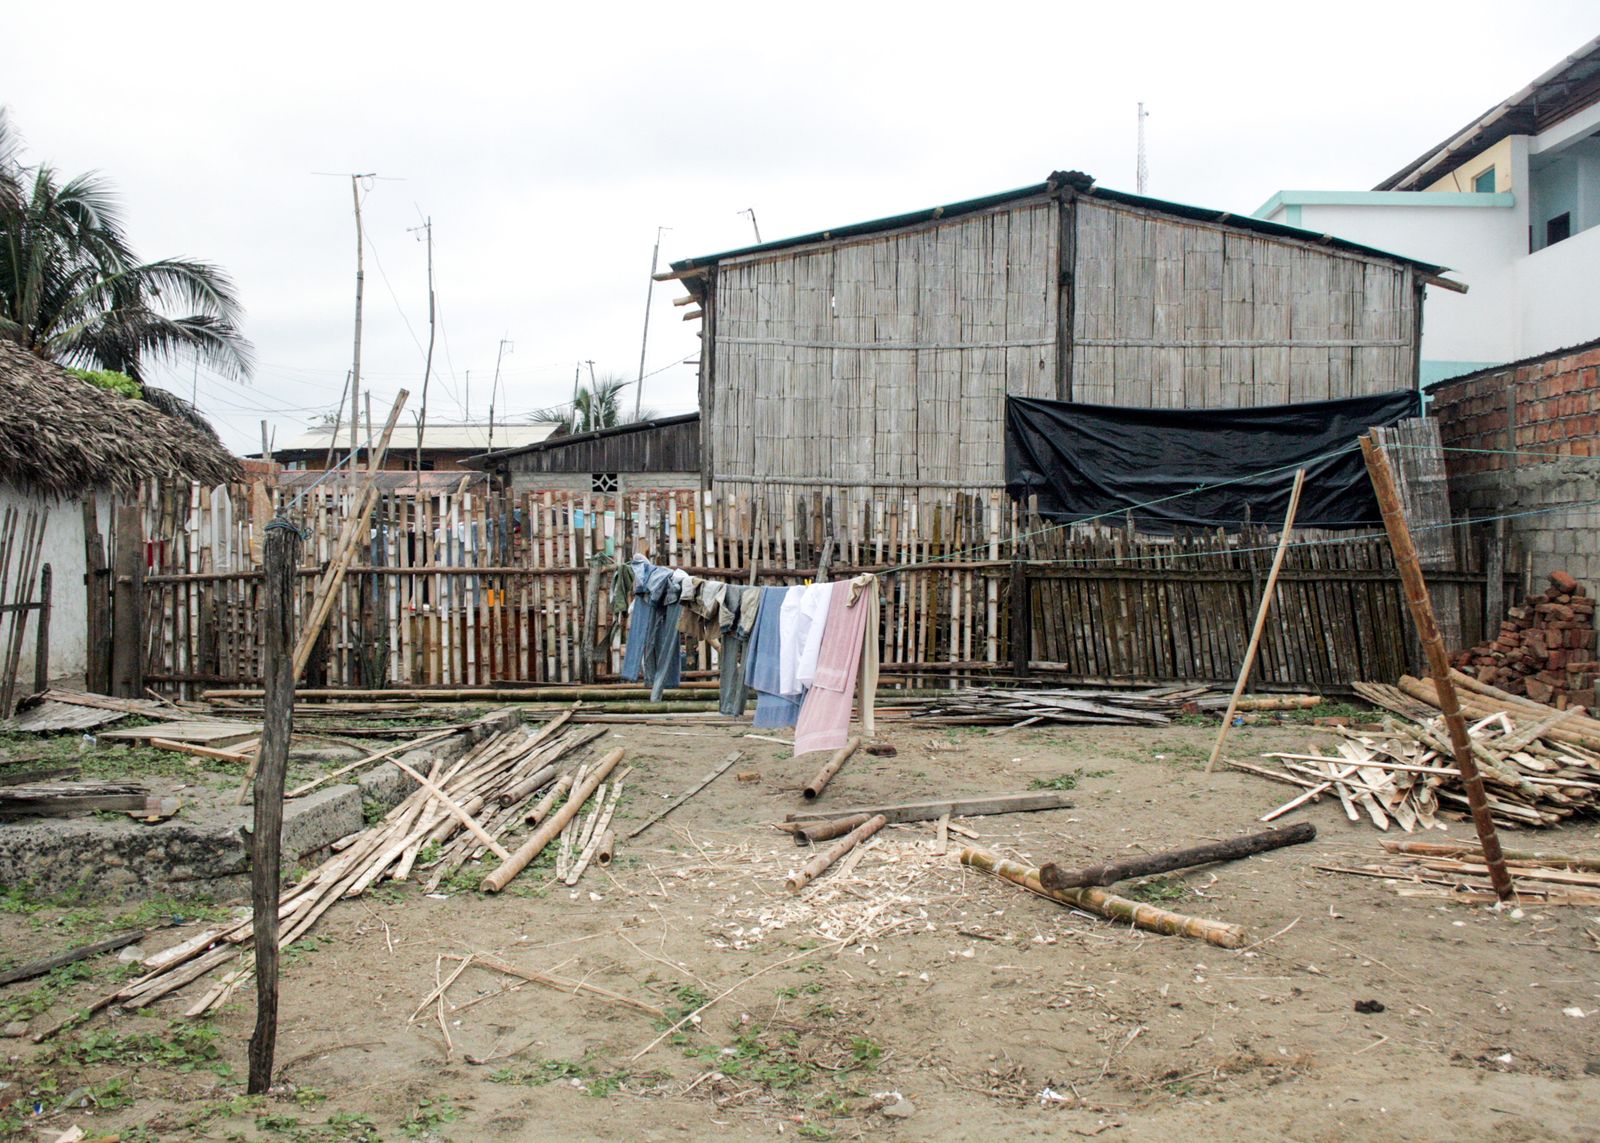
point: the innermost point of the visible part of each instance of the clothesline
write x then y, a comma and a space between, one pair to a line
804, 650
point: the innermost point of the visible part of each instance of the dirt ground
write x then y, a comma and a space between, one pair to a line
909, 997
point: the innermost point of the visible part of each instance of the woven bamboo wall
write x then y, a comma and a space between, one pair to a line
884, 363
1170, 313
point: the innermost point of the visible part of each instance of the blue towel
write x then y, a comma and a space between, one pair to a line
761, 664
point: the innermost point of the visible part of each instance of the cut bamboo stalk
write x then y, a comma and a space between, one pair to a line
1467, 849
460, 814
1421, 605
562, 985
388, 752
1261, 619
819, 864
687, 794
500, 877
607, 848
1139, 915
552, 796
814, 832
825, 775
601, 828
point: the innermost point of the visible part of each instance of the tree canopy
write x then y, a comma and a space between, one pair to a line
73, 291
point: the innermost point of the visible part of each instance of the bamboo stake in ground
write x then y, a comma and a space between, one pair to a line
498, 878
1052, 876
1261, 619
266, 842
1421, 605
1109, 905
825, 775
819, 864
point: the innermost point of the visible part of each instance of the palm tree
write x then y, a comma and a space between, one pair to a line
597, 406
72, 290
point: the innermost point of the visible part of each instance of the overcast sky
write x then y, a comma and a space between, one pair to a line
547, 144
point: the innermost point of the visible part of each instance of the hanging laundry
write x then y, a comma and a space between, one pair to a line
737, 620
653, 651
702, 608
805, 613
813, 627
848, 655
764, 656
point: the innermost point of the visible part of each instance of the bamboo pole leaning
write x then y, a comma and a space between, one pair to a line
1261, 619
1421, 605
1109, 905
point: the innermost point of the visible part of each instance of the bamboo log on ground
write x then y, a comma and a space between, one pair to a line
1468, 849
1052, 876
602, 827
387, 752
71, 956
1108, 905
551, 797
830, 768
813, 832
607, 849
934, 808
499, 878
819, 864
721, 769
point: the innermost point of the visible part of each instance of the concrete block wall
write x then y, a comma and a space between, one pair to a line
1546, 411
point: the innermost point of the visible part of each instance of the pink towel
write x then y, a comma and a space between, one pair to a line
825, 718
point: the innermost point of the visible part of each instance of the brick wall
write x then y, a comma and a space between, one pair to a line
1548, 410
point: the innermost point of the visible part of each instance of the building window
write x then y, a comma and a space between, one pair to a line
1484, 183
1558, 229
602, 482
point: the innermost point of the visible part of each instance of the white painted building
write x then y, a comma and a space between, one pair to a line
1511, 204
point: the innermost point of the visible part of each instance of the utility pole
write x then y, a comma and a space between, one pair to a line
355, 367
427, 366
495, 387
577, 372
751, 211
1142, 174
644, 342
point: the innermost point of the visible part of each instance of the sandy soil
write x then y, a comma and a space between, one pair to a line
966, 996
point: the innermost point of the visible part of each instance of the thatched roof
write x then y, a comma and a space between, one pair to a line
63, 436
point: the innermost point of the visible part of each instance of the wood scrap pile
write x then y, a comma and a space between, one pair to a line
974, 706
1456, 871
1540, 767
456, 812
1545, 647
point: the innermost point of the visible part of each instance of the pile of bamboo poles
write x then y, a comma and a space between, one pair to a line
978, 706
1456, 871
459, 809
1540, 766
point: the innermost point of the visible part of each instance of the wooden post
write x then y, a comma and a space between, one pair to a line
127, 619
591, 622
1417, 599
1021, 620
1261, 618
266, 841
97, 669
41, 649
1494, 585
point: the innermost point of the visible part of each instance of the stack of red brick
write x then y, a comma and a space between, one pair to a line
1545, 648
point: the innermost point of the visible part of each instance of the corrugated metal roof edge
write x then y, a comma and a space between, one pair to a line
484, 460
1488, 370
976, 205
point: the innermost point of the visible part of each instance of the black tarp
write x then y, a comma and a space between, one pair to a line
1090, 460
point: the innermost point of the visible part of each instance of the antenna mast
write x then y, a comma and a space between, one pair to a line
355, 367
644, 341
1142, 175
427, 365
